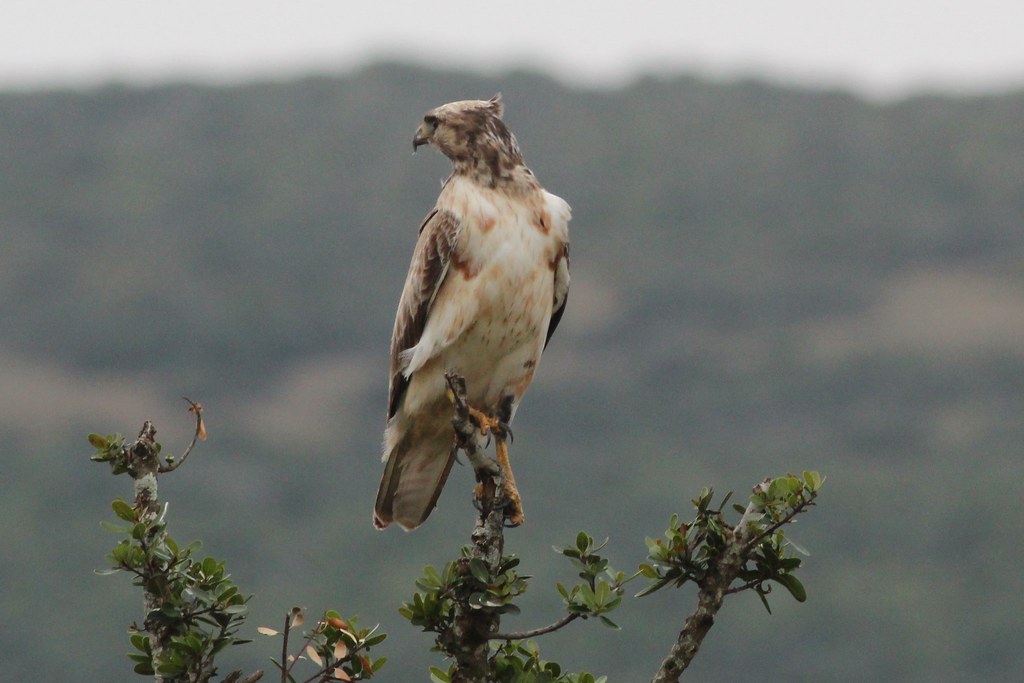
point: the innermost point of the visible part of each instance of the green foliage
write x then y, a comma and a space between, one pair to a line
602, 588
199, 608
433, 609
194, 609
336, 646
515, 659
109, 449
691, 551
520, 662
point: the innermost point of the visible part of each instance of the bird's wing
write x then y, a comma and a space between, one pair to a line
559, 213
427, 271
561, 292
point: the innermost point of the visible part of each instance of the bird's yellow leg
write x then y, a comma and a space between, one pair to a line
491, 425
515, 512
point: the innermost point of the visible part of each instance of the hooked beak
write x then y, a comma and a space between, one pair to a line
422, 136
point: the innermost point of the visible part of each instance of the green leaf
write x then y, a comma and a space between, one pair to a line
115, 528
793, 585
144, 669
779, 488
656, 586
98, 442
123, 510
376, 640
647, 571
171, 668
814, 480
438, 676
479, 570
583, 542
568, 551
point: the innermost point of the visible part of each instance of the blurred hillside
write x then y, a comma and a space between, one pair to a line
764, 280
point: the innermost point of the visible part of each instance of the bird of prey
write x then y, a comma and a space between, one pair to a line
486, 288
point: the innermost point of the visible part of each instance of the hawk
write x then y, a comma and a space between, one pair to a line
486, 288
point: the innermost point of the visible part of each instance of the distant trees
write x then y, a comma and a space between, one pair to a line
193, 610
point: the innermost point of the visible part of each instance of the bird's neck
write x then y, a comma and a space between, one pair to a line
509, 176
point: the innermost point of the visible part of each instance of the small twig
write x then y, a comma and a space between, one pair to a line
302, 648
197, 410
746, 586
775, 526
533, 633
285, 669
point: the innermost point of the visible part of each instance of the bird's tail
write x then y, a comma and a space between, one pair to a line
414, 475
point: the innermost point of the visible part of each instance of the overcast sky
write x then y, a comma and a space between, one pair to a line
878, 47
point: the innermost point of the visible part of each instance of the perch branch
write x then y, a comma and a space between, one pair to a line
468, 642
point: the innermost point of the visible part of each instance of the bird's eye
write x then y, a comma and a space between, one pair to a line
430, 119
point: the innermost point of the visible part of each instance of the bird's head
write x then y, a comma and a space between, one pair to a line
470, 133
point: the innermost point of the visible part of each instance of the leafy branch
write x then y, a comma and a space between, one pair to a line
712, 554
192, 608
337, 647
463, 602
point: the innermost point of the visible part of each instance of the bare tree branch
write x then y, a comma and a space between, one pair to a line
533, 633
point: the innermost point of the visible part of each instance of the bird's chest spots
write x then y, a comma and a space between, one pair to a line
509, 273
512, 288
507, 244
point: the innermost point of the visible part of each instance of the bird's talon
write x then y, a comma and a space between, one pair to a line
512, 522
505, 431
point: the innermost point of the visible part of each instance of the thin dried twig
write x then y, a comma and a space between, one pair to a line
200, 434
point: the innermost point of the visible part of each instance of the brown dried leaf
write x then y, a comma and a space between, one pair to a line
314, 656
340, 650
267, 631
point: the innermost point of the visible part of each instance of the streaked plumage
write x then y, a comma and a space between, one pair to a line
486, 287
